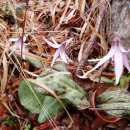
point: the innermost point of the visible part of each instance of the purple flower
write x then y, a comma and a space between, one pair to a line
60, 50
118, 55
18, 44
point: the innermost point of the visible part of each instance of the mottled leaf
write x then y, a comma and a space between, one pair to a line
60, 81
115, 101
37, 102
52, 106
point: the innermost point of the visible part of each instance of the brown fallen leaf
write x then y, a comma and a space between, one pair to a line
3, 111
97, 123
46, 125
3, 127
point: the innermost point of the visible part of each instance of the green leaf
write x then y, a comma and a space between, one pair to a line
124, 82
37, 102
115, 102
59, 80
36, 63
30, 98
114, 95
32, 60
53, 106
9, 121
106, 80
27, 127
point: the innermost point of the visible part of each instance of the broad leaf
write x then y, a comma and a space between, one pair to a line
30, 98
38, 103
115, 101
35, 62
52, 106
37, 100
60, 81
32, 60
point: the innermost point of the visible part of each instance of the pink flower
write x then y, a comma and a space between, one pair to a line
18, 44
118, 55
60, 50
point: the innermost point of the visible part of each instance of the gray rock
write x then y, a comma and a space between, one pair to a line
120, 22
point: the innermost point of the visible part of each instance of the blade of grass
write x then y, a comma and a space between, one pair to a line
5, 75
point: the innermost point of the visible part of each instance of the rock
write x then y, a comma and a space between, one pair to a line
120, 21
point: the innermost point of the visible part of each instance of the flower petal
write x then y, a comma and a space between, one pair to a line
54, 40
16, 39
122, 48
51, 44
13, 39
126, 62
119, 43
118, 63
94, 60
56, 55
17, 45
24, 38
63, 54
102, 60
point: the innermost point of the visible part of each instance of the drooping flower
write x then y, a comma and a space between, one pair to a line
18, 44
60, 52
118, 55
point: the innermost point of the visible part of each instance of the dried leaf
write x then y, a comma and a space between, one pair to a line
5, 75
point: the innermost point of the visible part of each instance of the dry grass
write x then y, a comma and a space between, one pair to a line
58, 18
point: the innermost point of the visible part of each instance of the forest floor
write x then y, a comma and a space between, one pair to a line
59, 67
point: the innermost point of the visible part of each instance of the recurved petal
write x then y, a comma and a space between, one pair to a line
56, 55
118, 64
13, 39
63, 54
16, 39
102, 61
126, 62
122, 48
16, 46
24, 38
54, 40
51, 44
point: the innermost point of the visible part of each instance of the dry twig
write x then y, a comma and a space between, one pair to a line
89, 49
